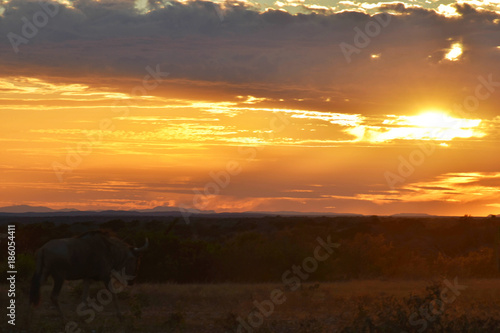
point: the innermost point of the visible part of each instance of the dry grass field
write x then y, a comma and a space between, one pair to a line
352, 306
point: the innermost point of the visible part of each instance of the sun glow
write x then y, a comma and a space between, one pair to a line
437, 119
432, 125
455, 52
436, 125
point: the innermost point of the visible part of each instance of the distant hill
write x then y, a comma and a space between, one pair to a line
412, 215
26, 209
171, 211
168, 209
32, 209
292, 213
160, 210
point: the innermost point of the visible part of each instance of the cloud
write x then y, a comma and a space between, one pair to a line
267, 54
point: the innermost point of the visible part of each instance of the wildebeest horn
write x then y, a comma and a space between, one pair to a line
143, 248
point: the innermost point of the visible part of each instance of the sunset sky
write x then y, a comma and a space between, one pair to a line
136, 104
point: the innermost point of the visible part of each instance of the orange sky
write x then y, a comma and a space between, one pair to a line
257, 116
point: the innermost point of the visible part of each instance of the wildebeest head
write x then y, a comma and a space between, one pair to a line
133, 260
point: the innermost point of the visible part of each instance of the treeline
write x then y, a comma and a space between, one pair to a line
210, 250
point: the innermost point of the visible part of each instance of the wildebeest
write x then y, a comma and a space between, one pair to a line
94, 255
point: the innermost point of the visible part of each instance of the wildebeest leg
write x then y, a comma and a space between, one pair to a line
85, 294
117, 307
113, 292
58, 282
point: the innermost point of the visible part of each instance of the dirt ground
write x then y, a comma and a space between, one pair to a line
314, 307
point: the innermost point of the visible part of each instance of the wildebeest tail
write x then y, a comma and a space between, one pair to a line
36, 281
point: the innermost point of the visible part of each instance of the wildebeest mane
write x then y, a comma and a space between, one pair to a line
107, 235
106, 239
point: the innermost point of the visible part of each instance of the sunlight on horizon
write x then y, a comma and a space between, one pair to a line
432, 125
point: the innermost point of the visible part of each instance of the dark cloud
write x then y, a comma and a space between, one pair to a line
274, 53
